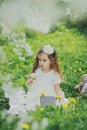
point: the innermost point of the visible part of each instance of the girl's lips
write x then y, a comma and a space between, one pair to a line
42, 66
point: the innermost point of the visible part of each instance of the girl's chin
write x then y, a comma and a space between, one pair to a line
42, 68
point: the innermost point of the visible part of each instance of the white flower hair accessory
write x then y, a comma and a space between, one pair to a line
48, 49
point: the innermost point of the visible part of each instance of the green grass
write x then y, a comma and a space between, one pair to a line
71, 47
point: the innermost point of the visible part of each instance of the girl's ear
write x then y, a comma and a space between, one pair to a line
51, 62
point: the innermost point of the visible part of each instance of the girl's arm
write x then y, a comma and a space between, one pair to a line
59, 91
29, 82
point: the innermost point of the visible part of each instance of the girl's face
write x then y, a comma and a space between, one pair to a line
44, 62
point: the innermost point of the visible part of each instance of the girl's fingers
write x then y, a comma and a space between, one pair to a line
29, 82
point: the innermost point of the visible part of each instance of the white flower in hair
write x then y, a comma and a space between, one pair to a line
48, 49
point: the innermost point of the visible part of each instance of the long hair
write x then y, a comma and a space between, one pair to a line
54, 62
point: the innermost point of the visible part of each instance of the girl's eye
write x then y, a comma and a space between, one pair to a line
44, 60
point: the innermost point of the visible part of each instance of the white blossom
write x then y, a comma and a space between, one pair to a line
35, 125
44, 123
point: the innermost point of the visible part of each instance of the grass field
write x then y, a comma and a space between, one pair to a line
71, 47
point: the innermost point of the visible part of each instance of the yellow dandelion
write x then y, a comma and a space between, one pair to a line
65, 105
25, 126
71, 68
72, 100
75, 71
58, 97
43, 94
80, 69
24, 66
76, 62
60, 62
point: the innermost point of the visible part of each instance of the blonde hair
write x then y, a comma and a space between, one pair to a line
54, 61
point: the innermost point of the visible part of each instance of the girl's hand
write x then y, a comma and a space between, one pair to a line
29, 82
32, 79
59, 92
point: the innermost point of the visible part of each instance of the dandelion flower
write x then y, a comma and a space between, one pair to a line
65, 105
25, 126
71, 68
43, 94
58, 97
80, 69
76, 62
72, 100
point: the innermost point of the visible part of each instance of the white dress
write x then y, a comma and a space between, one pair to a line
44, 82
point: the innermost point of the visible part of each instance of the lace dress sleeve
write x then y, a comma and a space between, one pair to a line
56, 79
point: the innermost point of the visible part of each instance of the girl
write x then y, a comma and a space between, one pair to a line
45, 76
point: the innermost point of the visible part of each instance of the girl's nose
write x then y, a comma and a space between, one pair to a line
41, 63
